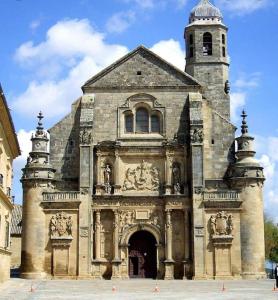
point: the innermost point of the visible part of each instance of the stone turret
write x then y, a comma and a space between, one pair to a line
247, 175
38, 177
207, 57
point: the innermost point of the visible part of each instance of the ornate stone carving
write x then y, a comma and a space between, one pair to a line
198, 190
84, 191
61, 225
176, 178
84, 231
221, 224
85, 136
143, 178
196, 135
127, 218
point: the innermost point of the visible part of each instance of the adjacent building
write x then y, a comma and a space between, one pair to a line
9, 150
143, 179
16, 229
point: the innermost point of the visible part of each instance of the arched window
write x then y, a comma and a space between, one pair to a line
129, 123
223, 39
223, 51
155, 123
142, 120
207, 44
191, 39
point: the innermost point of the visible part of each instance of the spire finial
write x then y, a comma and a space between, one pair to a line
244, 126
40, 125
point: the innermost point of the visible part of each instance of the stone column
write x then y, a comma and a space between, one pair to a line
97, 235
168, 173
187, 245
96, 264
117, 186
169, 262
197, 186
116, 261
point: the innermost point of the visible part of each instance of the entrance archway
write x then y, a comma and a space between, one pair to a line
142, 255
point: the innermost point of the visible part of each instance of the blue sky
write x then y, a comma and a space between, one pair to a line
50, 48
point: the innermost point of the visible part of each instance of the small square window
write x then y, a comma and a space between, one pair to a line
139, 73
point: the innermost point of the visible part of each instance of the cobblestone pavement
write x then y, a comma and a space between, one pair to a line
20, 289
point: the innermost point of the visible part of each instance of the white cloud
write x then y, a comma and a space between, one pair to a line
71, 53
242, 86
238, 101
34, 25
152, 4
24, 139
119, 22
242, 6
171, 51
266, 148
248, 81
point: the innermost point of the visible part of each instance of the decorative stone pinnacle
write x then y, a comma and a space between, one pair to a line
244, 126
40, 125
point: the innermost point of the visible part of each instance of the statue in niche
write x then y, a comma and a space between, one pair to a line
107, 179
144, 177
176, 178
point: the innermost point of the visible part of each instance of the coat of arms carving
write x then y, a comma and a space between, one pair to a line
61, 225
221, 224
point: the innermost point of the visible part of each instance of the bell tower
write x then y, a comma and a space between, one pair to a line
207, 56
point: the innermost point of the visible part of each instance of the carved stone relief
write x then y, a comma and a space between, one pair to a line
61, 225
143, 178
197, 135
221, 224
85, 136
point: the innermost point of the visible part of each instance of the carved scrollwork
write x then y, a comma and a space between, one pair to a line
61, 225
143, 178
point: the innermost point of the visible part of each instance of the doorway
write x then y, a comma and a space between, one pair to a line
142, 255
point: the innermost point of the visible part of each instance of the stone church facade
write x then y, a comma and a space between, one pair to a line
143, 178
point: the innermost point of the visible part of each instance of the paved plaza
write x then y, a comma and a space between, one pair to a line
20, 289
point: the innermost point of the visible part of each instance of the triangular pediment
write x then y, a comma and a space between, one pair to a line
140, 68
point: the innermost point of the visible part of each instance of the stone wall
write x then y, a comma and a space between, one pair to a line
16, 251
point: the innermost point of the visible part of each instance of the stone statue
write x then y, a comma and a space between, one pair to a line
107, 174
176, 178
69, 225
213, 225
53, 224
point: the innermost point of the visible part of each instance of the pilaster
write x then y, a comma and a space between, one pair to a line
197, 177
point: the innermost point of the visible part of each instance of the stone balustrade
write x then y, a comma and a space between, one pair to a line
58, 196
222, 195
